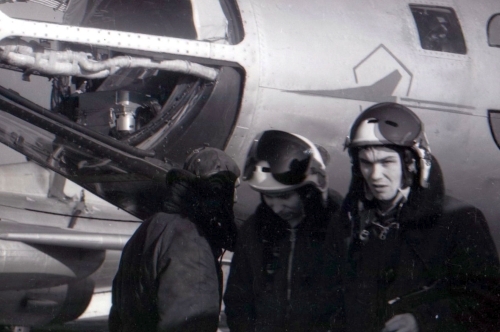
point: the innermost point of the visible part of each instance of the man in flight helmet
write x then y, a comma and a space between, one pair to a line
277, 280
416, 260
169, 277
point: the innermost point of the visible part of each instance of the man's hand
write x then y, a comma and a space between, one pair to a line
401, 323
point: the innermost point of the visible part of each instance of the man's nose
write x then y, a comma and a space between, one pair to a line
376, 171
276, 205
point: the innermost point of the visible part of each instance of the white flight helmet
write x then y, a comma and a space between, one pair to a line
278, 162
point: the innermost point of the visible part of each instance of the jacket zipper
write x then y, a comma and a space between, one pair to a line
293, 237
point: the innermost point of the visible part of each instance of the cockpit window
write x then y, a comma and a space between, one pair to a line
217, 21
494, 120
494, 31
439, 29
205, 20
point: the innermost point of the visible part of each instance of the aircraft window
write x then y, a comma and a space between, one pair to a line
494, 119
208, 20
494, 31
439, 29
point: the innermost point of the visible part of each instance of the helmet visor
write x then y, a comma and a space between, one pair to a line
287, 155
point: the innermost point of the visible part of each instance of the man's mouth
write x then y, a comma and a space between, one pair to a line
286, 215
379, 187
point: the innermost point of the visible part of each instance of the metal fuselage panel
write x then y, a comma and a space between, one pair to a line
320, 63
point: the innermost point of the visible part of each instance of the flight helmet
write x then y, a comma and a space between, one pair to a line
206, 161
278, 162
208, 196
394, 125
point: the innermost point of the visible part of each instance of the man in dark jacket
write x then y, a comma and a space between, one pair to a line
278, 280
169, 277
417, 260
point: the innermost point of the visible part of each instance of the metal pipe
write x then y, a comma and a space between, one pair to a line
69, 63
9, 94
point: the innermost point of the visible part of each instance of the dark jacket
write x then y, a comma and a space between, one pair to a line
441, 265
168, 280
277, 280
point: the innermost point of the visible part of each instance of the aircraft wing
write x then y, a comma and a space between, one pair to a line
48, 274
54, 236
58, 250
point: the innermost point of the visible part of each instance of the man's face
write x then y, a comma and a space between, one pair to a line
382, 171
288, 206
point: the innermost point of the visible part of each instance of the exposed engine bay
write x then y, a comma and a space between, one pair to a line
119, 117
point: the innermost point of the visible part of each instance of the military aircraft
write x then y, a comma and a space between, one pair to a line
137, 85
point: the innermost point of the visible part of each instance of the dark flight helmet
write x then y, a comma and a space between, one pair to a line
205, 162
